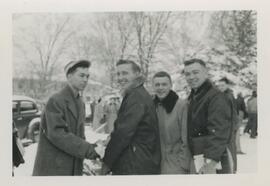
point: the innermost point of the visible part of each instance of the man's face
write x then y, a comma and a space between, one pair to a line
162, 86
195, 74
222, 86
125, 75
79, 78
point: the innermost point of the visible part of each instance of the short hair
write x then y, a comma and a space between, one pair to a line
80, 63
254, 93
162, 74
134, 66
192, 61
225, 80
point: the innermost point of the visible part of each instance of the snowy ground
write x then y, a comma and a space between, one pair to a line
247, 163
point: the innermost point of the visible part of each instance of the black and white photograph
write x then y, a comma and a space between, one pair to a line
148, 94
134, 93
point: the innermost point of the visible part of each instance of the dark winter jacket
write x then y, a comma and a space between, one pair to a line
233, 103
235, 121
134, 147
241, 106
17, 156
62, 147
210, 117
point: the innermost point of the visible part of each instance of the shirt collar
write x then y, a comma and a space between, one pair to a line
76, 93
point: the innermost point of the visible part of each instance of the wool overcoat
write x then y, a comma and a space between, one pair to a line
62, 146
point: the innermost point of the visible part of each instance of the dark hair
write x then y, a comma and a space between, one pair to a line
135, 67
192, 61
254, 93
162, 74
225, 80
81, 63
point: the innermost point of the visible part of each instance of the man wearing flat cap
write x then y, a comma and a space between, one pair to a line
62, 146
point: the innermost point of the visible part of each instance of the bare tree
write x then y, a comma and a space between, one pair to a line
149, 27
108, 40
181, 41
43, 45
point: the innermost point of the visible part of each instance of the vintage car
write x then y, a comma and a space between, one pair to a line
26, 116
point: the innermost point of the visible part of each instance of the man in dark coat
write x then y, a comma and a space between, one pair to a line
252, 115
17, 154
242, 113
241, 105
209, 120
134, 147
223, 85
62, 146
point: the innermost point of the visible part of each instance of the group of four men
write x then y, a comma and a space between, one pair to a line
150, 136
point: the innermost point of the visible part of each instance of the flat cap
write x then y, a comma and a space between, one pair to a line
75, 64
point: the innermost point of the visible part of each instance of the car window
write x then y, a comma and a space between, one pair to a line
14, 107
28, 107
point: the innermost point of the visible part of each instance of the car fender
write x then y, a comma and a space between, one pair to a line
32, 126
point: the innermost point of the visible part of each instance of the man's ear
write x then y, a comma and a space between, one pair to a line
171, 84
68, 76
138, 74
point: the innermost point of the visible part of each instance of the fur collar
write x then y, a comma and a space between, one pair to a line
168, 102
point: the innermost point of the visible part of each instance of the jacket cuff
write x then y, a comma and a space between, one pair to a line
107, 162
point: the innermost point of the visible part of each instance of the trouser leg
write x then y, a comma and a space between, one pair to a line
254, 125
238, 145
249, 124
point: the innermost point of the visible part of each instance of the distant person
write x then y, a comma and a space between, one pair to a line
241, 105
99, 116
17, 149
134, 146
252, 115
62, 146
242, 113
209, 121
88, 109
224, 86
93, 106
111, 109
172, 116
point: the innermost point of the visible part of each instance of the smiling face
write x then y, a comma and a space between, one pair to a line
79, 78
162, 86
126, 75
195, 74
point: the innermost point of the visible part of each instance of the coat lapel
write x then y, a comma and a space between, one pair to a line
70, 99
72, 109
81, 116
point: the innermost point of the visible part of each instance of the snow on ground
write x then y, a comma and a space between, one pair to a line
29, 158
247, 163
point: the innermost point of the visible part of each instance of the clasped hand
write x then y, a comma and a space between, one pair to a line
208, 168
